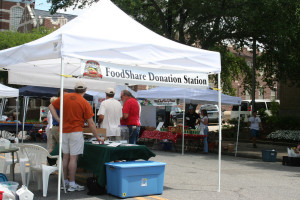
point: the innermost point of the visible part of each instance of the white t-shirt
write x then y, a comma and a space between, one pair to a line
112, 111
254, 122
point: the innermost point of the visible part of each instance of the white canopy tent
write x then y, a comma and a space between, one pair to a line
126, 52
9, 92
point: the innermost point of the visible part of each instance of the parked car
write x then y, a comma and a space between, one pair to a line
212, 112
246, 108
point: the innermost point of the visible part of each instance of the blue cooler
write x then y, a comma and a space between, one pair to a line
135, 178
269, 155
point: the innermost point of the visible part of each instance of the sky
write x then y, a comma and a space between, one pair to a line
43, 5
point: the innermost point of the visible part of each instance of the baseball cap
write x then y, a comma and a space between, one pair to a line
191, 107
110, 91
80, 85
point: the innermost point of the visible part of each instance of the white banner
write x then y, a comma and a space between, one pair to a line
142, 76
158, 102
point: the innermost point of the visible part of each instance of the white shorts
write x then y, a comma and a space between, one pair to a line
72, 143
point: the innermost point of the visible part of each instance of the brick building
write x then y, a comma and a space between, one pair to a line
20, 15
263, 91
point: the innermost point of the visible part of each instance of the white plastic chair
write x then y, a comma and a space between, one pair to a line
19, 158
38, 163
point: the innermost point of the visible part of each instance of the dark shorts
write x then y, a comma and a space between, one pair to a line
254, 133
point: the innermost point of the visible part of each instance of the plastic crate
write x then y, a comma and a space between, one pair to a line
135, 178
269, 155
291, 161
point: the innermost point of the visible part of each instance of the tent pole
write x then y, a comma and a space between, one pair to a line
220, 129
60, 125
2, 107
183, 127
17, 117
95, 112
238, 132
25, 102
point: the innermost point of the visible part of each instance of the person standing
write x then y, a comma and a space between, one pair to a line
131, 115
204, 126
254, 124
49, 127
54, 132
191, 118
76, 110
109, 115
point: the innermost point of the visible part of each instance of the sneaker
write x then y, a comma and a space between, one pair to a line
75, 187
66, 186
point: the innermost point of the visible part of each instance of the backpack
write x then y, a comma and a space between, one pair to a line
93, 187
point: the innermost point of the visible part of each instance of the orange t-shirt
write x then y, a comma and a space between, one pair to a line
76, 111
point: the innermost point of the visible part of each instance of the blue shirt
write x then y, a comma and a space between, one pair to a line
54, 122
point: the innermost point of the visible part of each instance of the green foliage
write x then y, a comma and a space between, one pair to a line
285, 135
10, 39
274, 108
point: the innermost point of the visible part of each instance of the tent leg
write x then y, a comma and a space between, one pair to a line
60, 127
238, 132
182, 150
220, 130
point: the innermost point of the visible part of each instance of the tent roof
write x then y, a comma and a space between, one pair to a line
44, 92
7, 92
191, 95
106, 34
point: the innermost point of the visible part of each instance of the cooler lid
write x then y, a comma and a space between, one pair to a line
132, 164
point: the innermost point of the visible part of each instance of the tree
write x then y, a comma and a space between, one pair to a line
10, 39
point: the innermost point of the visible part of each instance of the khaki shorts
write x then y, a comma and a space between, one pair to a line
72, 143
54, 137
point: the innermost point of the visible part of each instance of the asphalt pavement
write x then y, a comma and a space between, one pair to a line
196, 176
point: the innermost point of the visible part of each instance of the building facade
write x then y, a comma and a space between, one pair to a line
21, 16
263, 91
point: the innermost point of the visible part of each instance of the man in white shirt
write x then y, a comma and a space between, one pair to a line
109, 115
254, 124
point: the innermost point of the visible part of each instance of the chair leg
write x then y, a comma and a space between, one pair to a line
5, 167
45, 182
23, 172
28, 178
46, 171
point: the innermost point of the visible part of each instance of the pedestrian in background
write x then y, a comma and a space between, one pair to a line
254, 124
204, 126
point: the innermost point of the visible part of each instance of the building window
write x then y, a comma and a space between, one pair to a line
273, 93
15, 17
261, 93
247, 95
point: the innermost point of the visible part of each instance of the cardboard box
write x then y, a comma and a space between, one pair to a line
101, 132
135, 178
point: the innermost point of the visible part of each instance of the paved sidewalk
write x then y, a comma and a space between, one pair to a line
245, 149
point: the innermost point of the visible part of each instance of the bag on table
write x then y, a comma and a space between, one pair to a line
93, 187
292, 153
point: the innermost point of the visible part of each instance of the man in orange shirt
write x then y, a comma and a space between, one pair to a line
76, 110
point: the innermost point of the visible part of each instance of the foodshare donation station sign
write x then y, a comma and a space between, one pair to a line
142, 76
